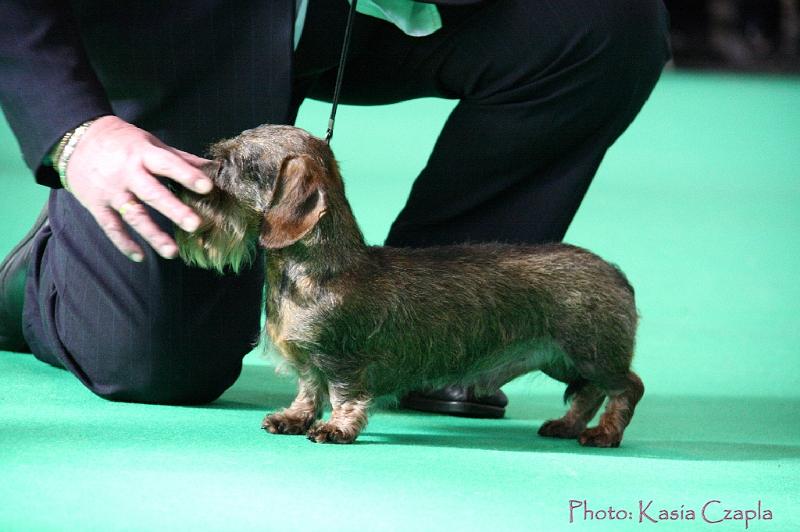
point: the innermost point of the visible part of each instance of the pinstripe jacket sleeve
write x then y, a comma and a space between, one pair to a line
47, 86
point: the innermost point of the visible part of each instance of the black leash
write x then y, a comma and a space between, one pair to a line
340, 72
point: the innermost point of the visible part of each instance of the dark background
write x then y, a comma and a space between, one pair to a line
738, 35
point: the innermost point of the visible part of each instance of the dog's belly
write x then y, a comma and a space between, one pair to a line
488, 370
536, 353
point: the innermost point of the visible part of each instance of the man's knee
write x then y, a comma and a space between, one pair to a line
577, 46
169, 386
161, 368
639, 36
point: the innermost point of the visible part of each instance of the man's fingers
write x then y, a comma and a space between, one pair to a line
136, 216
117, 170
150, 191
109, 222
194, 160
209, 167
163, 162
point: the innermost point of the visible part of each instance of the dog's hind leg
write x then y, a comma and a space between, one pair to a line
304, 410
586, 401
623, 396
348, 419
585, 404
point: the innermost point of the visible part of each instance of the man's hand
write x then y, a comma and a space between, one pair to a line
112, 173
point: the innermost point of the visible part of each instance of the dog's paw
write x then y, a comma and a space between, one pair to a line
331, 433
559, 428
599, 437
293, 423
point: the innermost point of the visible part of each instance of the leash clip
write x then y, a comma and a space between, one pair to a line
340, 71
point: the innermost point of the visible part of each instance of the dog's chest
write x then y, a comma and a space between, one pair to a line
294, 304
287, 328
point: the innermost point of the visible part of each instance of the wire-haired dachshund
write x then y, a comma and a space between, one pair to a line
359, 321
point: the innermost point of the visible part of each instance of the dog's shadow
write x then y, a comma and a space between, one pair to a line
667, 428
525, 439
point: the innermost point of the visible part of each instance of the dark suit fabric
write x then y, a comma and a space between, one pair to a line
544, 89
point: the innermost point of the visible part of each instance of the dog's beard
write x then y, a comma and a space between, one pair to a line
225, 240
217, 249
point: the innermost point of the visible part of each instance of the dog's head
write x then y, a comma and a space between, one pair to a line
270, 189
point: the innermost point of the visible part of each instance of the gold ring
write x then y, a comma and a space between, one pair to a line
125, 206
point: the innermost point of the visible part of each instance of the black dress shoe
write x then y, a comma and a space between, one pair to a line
13, 272
457, 401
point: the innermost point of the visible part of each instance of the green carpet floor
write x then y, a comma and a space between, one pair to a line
699, 203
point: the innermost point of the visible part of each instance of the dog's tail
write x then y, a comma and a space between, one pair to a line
573, 388
623, 279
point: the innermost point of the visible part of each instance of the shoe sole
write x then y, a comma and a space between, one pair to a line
454, 408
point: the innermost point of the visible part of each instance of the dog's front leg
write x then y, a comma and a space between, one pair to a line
304, 410
348, 419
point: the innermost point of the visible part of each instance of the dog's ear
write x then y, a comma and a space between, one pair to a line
297, 203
